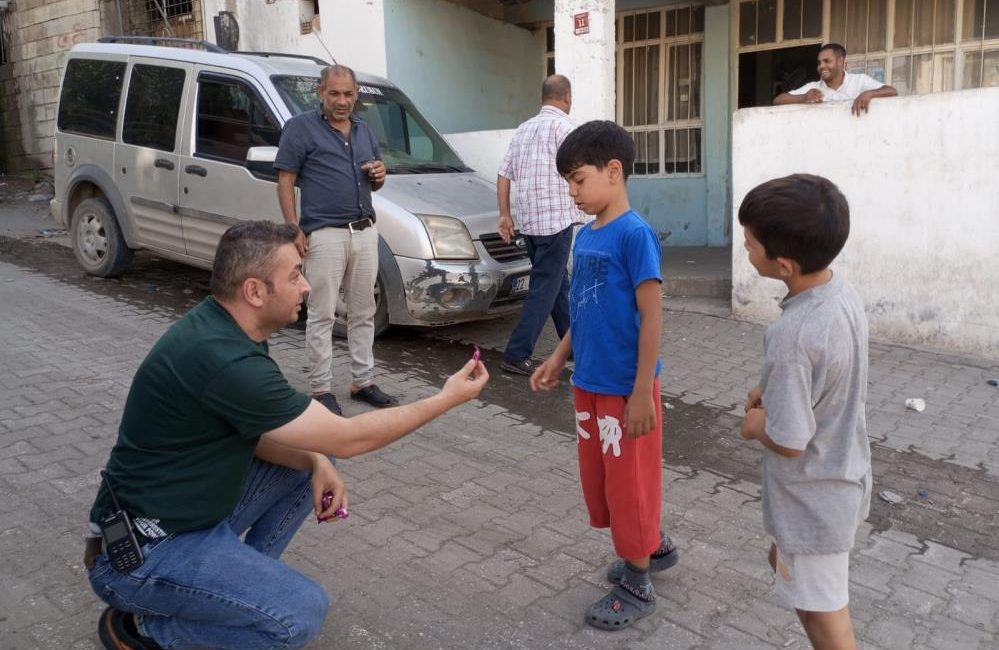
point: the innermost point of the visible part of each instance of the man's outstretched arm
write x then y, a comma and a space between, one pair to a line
319, 430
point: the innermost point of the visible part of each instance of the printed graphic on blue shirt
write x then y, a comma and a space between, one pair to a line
589, 282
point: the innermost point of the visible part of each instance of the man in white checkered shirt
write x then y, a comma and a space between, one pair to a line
545, 217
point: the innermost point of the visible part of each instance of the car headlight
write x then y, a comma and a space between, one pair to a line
449, 238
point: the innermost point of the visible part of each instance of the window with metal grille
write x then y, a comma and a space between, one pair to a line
158, 9
921, 42
980, 43
4, 55
308, 13
549, 51
917, 46
659, 88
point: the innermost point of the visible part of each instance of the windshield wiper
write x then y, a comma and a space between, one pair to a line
427, 168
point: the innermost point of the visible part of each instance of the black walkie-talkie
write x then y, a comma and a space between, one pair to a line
122, 548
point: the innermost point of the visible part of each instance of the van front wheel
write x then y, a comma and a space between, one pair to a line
97, 241
381, 311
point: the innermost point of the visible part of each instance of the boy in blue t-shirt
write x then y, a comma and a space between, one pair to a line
616, 323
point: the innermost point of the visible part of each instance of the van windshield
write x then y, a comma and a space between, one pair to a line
408, 144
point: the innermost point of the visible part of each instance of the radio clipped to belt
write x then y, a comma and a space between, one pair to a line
124, 552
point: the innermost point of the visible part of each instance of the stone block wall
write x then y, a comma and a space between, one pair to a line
38, 36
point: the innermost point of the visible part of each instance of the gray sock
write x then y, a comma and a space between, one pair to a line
638, 582
665, 547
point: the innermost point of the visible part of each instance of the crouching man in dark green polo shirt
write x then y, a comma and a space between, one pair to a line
214, 444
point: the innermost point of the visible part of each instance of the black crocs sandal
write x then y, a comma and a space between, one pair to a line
618, 609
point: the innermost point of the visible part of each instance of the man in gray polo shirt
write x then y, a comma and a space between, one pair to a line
332, 155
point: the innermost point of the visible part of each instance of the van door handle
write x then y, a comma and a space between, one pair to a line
197, 170
163, 163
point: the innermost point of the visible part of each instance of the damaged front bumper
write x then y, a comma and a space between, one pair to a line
442, 293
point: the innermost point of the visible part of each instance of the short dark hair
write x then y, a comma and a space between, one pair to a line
596, 143
248, 250
556, 86
837, 49
801, 217
336, 70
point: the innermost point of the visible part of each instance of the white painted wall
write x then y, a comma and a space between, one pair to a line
587, 59
353, 31
483, 151
920, 174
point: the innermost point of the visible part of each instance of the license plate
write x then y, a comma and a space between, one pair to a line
521, 284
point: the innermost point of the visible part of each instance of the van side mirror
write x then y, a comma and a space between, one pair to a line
260, 162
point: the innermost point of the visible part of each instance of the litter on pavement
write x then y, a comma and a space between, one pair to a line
890, 497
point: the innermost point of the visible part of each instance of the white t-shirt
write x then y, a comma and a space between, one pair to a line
853, 84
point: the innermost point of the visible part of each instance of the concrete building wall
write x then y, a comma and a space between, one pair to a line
685, 211
464, 70
920, 175
350, 31
40, 36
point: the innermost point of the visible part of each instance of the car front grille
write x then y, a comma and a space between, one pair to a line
501, 251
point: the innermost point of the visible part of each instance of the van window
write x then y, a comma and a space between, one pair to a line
152, 106
89, 100
408, 144
231, 119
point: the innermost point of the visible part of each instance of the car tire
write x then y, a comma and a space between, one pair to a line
381, 312
97, 241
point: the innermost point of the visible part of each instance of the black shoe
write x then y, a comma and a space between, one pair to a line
523, 367
373, 396
329, 401
117, 631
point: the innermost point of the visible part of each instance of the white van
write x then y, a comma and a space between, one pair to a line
165, 147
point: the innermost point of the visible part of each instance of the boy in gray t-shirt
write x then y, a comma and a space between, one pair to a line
808, 411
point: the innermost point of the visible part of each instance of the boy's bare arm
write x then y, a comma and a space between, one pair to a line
640, 413
754, 425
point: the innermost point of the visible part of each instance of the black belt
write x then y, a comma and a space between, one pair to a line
356, 226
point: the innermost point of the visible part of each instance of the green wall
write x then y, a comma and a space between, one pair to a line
465, 71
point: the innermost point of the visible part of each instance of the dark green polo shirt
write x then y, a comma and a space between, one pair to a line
197, 406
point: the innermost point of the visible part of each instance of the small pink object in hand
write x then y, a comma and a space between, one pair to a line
477, 354
340, 513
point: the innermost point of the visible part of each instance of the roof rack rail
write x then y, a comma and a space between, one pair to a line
314, 59
164, 40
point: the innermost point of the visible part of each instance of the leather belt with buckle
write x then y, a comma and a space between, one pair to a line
357, 226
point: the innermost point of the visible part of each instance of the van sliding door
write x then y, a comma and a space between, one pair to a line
230, 115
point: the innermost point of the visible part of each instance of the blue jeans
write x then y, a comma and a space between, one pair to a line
547, 295
208, 588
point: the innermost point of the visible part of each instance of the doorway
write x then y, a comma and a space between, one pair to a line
767, 73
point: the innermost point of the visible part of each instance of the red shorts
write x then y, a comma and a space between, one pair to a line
621, 476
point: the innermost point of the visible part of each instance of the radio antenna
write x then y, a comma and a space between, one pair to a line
316, 34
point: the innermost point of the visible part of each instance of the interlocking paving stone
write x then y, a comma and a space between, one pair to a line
471, 532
